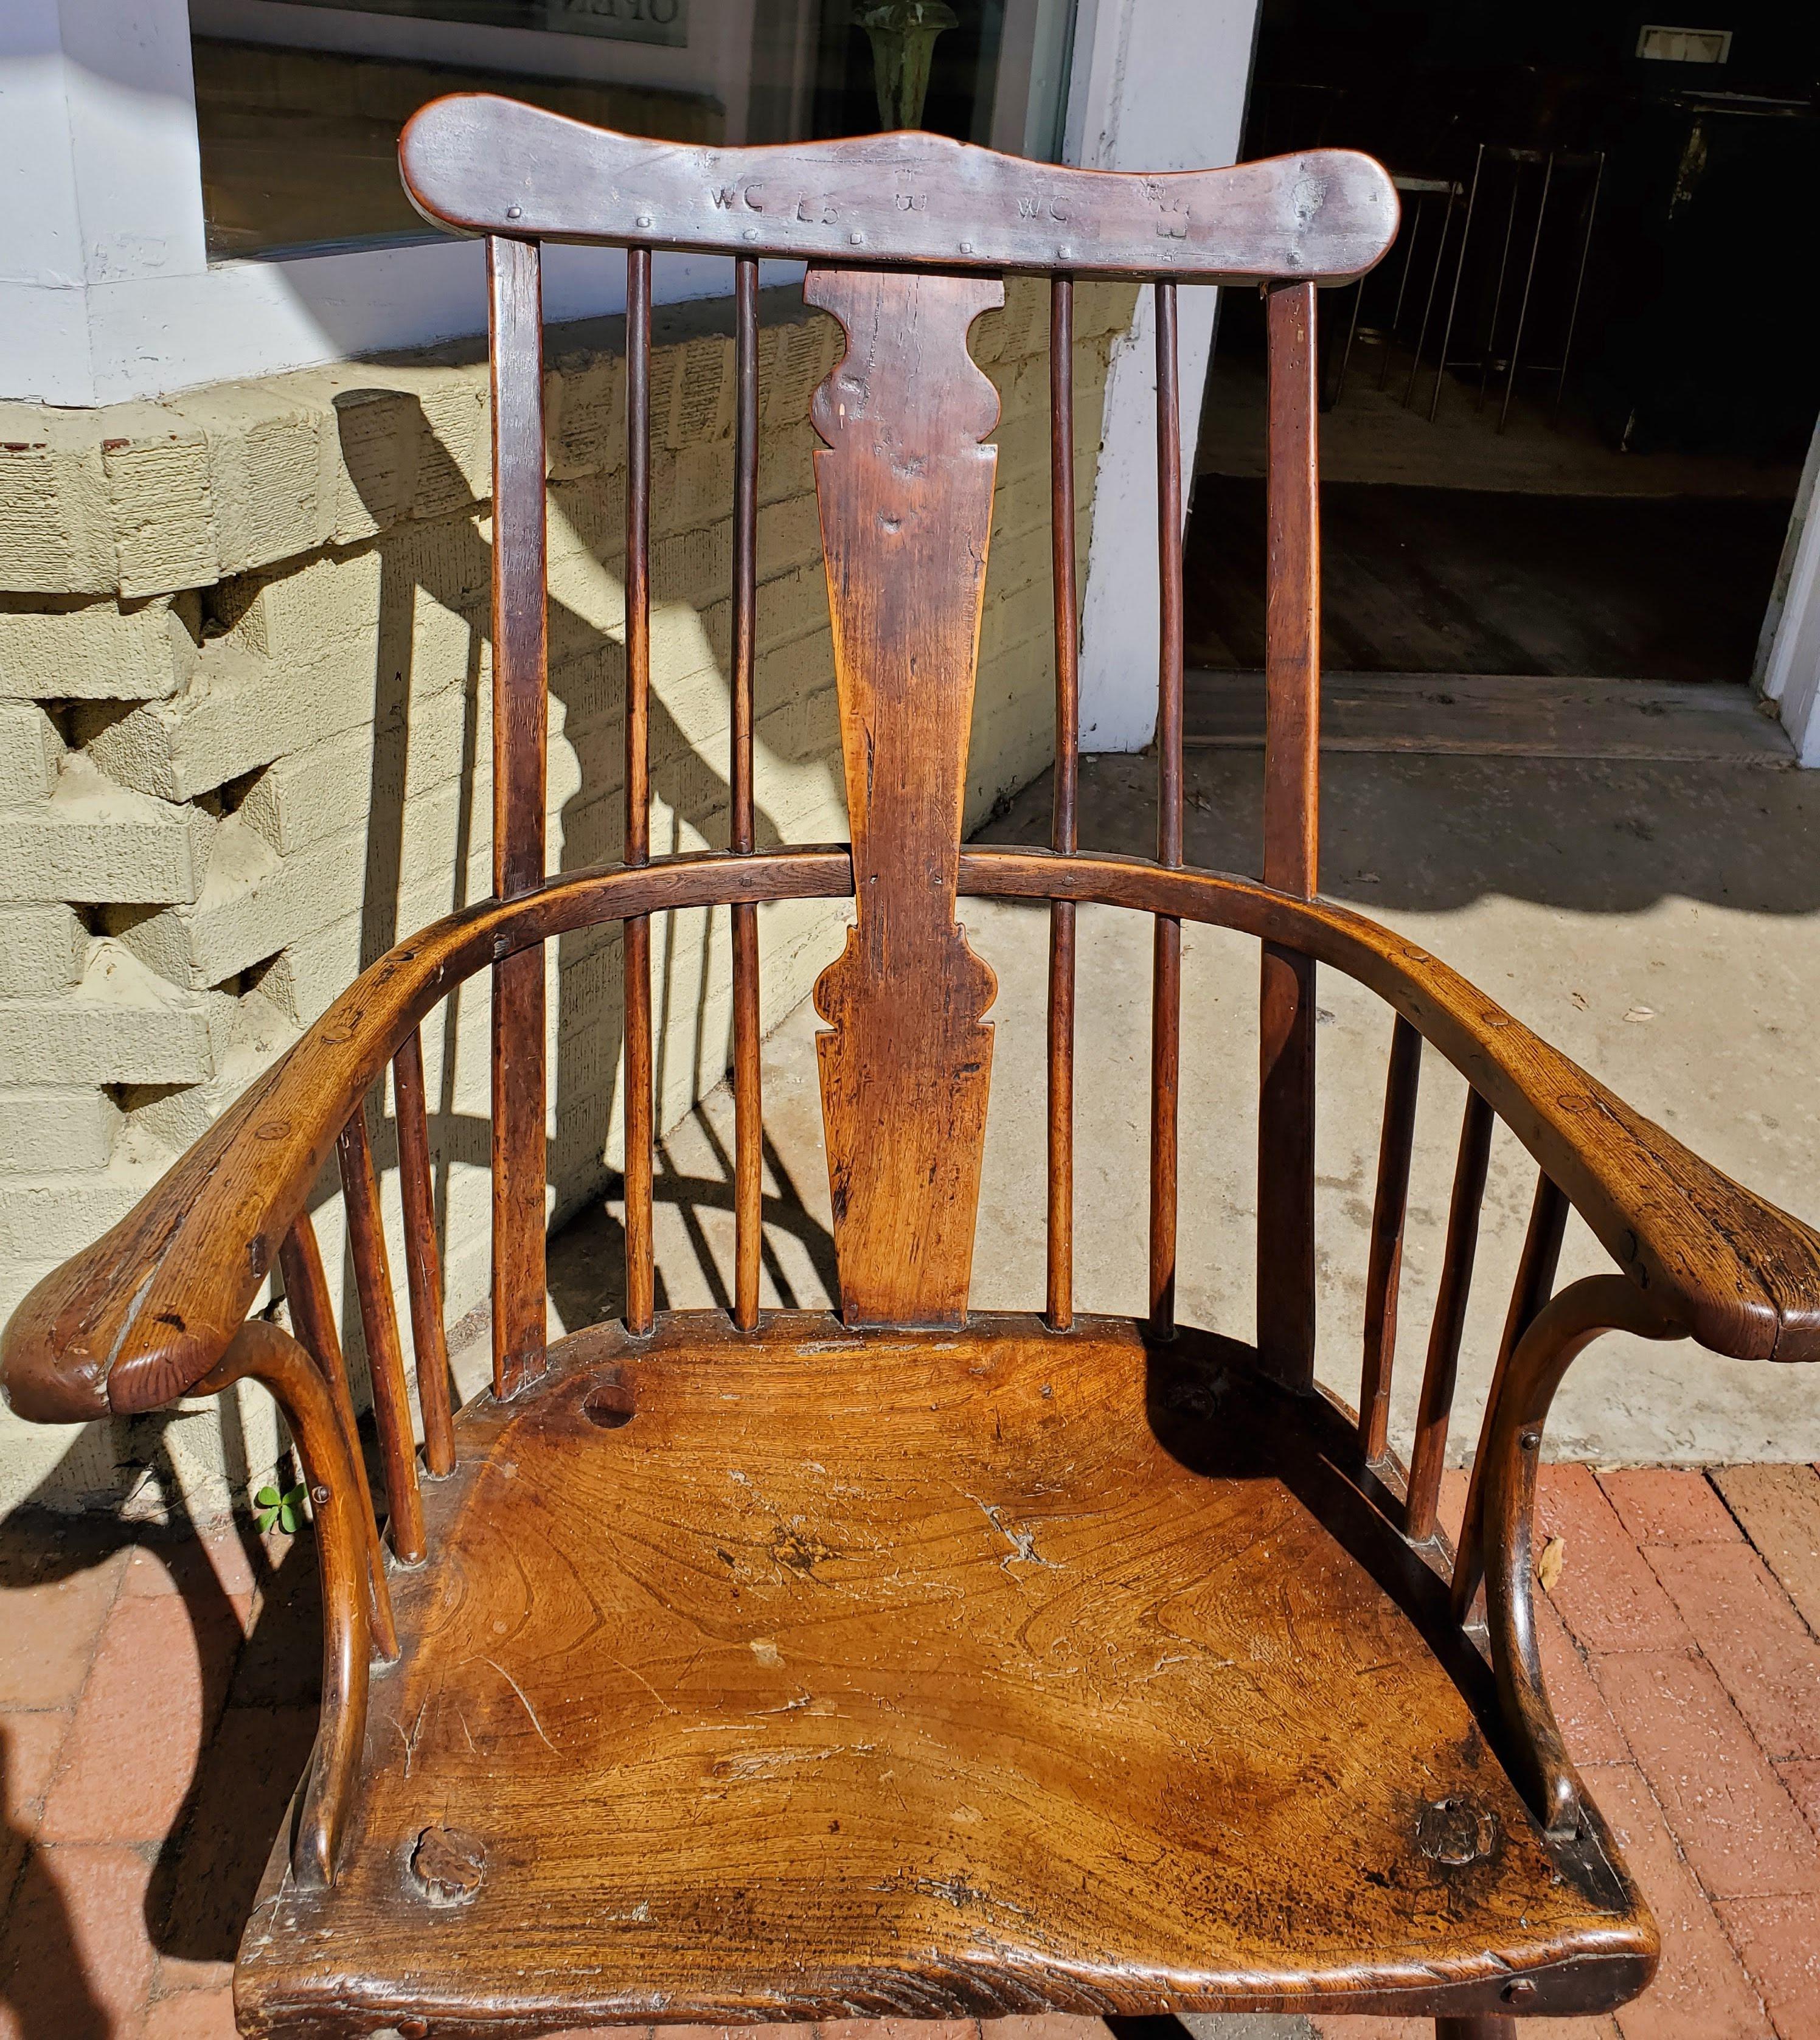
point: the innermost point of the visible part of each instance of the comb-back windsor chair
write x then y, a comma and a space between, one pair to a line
770, 1666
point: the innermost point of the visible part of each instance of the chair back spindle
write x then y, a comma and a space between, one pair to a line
1530, 1295
1291, 794
385, 1355
1166, 965
748, 1140
1429, 1454
520, 745
313, 1318
1065, 834
641, 1267
423, 1264
1384, 1274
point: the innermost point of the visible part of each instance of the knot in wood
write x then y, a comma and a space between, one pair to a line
1455, 1832
450, 1864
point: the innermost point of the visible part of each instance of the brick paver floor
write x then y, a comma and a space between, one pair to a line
157, 1698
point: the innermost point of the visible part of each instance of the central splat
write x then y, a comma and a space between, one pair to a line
905, 490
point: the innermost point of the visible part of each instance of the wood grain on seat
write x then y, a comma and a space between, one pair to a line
921, 1674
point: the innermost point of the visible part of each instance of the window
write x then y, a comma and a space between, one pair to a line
299, 102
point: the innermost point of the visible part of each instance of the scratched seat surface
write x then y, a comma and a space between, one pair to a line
916, 1673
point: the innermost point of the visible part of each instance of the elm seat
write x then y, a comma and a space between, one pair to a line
920, 1674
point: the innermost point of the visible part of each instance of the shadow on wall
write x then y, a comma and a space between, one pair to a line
258, 1704
258, 1710
448, 577
588, 1256
690, 793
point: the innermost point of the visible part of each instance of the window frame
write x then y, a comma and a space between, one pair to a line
110, 294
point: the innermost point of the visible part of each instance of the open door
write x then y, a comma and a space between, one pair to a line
1562, 434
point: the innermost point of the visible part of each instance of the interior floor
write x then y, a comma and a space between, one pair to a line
1368, 433
1457, 580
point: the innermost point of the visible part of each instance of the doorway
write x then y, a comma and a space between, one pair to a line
1564, 422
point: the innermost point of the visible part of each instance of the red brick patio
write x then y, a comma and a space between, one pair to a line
1681, 1642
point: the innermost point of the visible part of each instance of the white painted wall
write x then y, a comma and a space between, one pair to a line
1159, 84
1789, 658
1034, 45
99, 182
231, 322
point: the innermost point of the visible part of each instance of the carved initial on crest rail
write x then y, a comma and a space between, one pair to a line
905, 490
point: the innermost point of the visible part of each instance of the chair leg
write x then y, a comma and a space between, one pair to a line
1480, 2026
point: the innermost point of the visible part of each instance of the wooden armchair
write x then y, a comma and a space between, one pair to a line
783, 1665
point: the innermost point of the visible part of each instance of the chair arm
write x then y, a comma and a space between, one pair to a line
1740, 1275
1502, 1533
1733, 1270
142, 1316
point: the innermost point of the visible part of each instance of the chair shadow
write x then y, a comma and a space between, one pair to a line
207, 1870
587, 1262
73, 2012
1214, 1412
587, 679
254, 1753
1436, 834
44, 1546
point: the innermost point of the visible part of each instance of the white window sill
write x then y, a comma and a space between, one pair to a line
148, 336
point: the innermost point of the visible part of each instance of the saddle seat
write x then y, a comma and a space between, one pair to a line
820, 1672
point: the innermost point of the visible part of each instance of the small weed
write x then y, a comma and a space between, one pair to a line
285, 1510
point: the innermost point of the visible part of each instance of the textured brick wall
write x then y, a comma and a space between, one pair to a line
245, 694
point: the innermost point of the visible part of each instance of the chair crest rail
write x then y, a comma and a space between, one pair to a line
483, 165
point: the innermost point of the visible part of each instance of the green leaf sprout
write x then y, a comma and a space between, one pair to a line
285, 1510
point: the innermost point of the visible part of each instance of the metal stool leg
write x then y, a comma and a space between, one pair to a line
1454, 297
1346, 351
1428, 303
1415, 219
1529, 278
1579, 282
1497, 295
1428, 300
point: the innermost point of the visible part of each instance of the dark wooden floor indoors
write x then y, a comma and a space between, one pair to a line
1450, 580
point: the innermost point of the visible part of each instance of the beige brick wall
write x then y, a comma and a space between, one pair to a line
244, 695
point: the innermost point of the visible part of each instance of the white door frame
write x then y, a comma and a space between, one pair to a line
1788, 651
1157, 85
